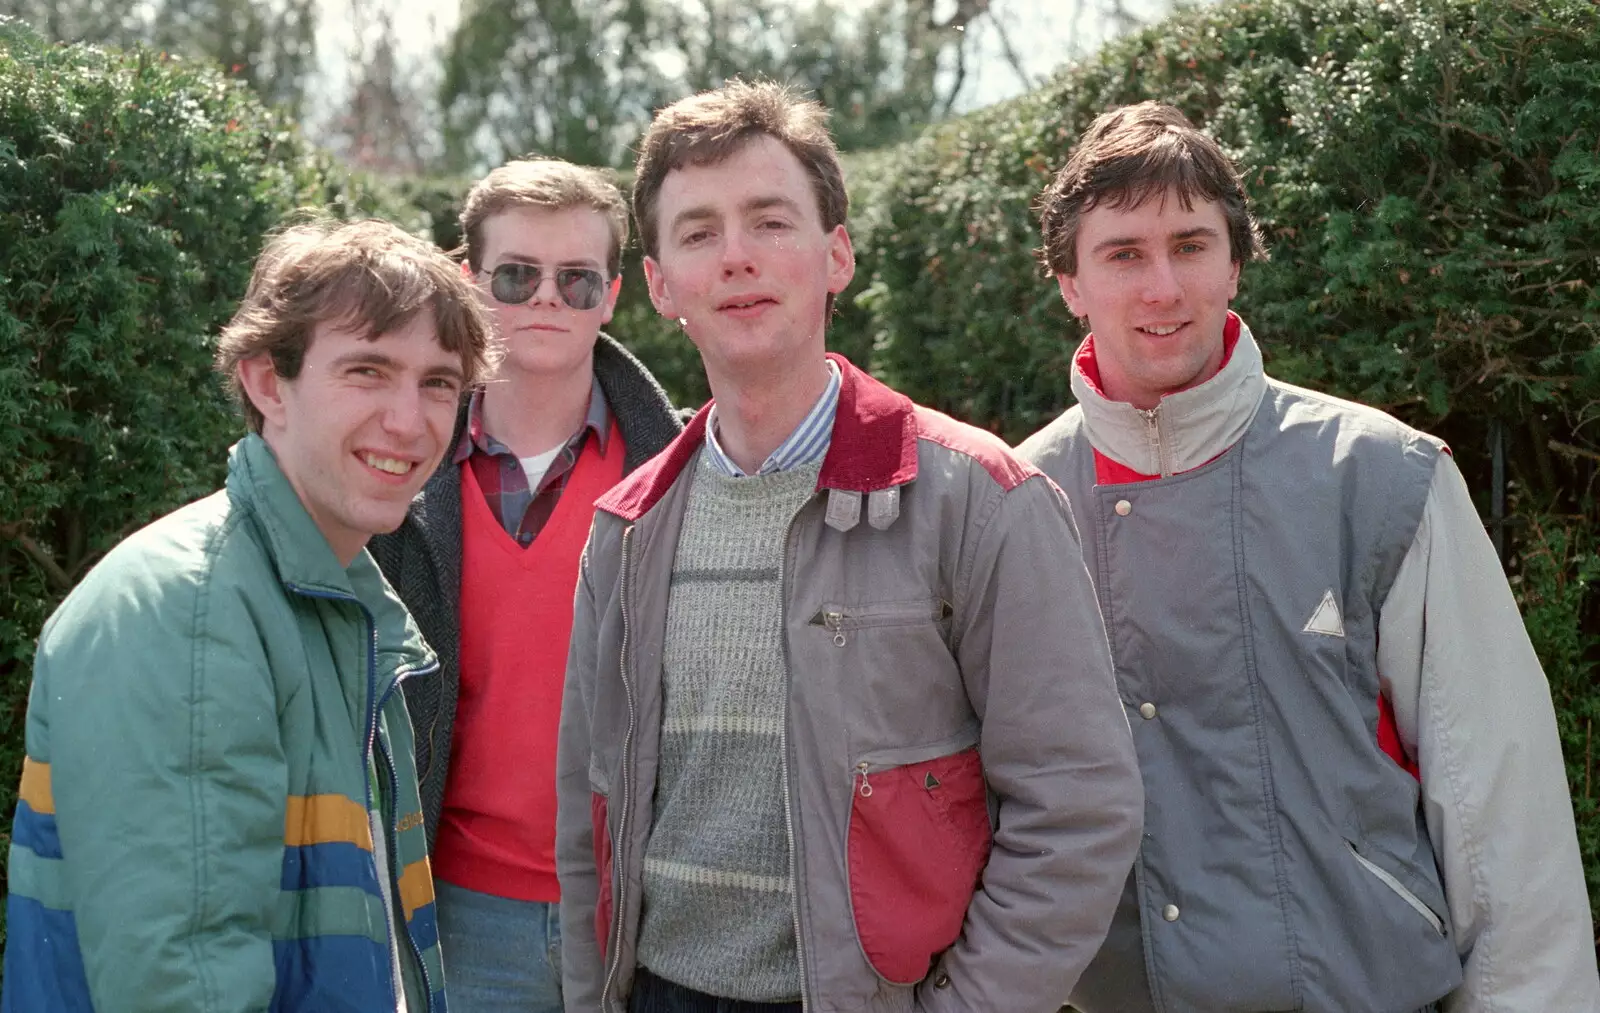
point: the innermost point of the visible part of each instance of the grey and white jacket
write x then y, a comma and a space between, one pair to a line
1301, 563
961, 789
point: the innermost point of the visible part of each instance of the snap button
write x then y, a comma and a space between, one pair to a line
942, 981
1147, 710
1123, 508
1170, 912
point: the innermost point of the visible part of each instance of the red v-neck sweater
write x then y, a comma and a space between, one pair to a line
497, 830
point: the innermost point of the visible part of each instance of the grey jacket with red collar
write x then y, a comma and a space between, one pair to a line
943, 641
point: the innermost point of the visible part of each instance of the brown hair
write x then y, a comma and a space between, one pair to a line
1129, 155
365, 275
707, 128
550, 184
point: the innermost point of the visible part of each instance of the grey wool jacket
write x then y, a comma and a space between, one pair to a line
422, 558
1301, 563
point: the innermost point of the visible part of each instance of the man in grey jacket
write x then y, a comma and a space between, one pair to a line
832, 739
1356, 798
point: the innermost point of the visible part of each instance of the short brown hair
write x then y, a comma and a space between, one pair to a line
365, 275
550, 184
707, 128
1129, 155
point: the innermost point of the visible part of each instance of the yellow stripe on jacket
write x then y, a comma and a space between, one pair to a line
326, 819
35, 789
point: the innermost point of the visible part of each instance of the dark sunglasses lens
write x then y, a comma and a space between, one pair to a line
514, 283
580, 288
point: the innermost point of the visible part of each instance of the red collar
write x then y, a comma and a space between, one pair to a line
874, 447
1089, 366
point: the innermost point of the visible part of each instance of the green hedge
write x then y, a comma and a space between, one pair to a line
1428, 175
134, 194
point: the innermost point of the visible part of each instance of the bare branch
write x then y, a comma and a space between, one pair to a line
53, 573
1013, 58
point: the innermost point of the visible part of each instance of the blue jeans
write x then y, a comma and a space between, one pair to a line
500, 955
658, 995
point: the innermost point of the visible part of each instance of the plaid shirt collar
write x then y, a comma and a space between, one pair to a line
474, 437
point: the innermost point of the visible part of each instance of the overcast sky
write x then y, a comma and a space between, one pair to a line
1041, 32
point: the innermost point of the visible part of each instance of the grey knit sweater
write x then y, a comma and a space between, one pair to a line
718, 892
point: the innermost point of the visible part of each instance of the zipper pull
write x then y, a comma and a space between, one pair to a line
835, 622
866, 788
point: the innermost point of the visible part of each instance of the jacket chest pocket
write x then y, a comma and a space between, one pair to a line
890, 668
918, 841
844, 621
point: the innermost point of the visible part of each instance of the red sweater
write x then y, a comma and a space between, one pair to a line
497, 830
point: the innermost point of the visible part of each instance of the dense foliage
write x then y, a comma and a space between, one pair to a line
134, 194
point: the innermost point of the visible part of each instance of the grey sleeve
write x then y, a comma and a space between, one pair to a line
1474, 709
1058, 755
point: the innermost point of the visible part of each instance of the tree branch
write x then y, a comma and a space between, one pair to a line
54, 574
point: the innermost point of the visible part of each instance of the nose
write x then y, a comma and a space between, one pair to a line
736, 255
1161, 282
404, 417
539, 289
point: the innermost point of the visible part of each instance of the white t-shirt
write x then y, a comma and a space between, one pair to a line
535, 467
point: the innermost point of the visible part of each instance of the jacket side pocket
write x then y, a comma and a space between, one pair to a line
919, 839
1399, 889
602, 868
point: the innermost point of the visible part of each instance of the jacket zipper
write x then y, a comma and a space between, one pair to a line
371, 739
618, 867
1152, 422
788, 804
393, 824
835, 620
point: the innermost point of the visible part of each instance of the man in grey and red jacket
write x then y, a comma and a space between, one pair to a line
832, 738
1356, 798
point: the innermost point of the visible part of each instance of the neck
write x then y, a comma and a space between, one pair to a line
534, 412
756, 415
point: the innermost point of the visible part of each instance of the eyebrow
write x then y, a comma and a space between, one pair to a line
703, 212
360, 358
528, 258
1199, 232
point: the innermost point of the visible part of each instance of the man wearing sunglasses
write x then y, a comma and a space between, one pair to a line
488, 558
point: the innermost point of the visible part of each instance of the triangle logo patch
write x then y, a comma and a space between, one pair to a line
1325, 619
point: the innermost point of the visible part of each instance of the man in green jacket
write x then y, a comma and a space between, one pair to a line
219, 808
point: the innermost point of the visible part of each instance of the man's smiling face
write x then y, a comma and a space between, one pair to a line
1154, 282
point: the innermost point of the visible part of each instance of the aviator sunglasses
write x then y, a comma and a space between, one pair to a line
581, 288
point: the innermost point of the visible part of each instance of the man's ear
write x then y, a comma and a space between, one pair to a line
612, 291
1069, 293
660, 298
841, 260
265, 389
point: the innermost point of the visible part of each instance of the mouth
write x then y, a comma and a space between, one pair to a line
746, 304
547, 328
1161, 330
388, 468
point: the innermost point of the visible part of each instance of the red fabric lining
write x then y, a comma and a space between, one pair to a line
602, 868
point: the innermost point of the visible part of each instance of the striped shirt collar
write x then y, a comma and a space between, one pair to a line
808, 443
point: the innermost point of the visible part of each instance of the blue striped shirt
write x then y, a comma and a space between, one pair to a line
808, 442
